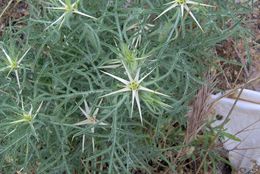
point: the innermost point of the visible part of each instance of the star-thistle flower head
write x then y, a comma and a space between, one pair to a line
67, 7
181, 1
28, 117
133, 84
183, 5
13, 64
90, 120
129, 55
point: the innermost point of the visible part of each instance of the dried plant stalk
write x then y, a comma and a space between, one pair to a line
200, 110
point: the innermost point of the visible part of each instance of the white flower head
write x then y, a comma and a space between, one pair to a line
68, 8
13, 65
133, 85
90, 120
183, 5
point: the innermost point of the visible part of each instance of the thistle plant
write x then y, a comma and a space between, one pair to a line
126, 57
133, 84
183, 5
68, 8
14, 64
90, 120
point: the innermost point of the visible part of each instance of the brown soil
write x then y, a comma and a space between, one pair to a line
232, 75
255, 48
15, 10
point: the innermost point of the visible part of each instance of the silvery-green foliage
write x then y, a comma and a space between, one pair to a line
71, 44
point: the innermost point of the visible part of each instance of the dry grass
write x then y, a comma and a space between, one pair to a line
199, 113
